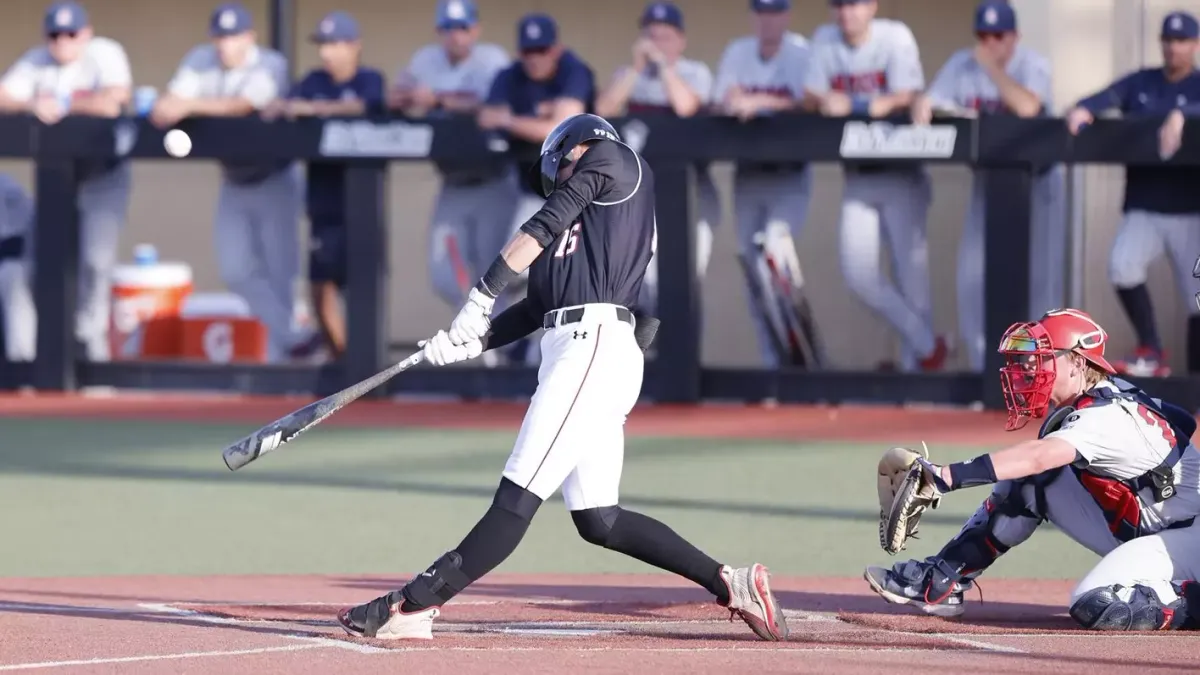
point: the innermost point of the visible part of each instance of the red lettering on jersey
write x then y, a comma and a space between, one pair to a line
861, 83
635, 108
1156, 421
987, 105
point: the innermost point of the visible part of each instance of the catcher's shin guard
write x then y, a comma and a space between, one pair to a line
1003, 517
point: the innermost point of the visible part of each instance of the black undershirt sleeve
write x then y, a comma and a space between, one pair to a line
594, 176
514, 323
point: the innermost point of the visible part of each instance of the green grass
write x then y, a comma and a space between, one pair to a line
103, 498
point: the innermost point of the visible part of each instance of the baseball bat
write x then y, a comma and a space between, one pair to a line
287, 428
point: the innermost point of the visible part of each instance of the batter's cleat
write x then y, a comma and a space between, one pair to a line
750, 598
382, 619
920, 583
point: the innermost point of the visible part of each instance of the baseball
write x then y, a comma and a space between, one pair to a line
177, 143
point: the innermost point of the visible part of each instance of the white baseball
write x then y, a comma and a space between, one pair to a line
177, 143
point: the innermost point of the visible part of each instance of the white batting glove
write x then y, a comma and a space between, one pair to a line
439, 350
473, 320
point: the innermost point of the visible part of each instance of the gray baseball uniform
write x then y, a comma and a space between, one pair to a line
963, 83
258, 207
881, 198
649, 95
104, 187
767, 196
16, 271
474, 206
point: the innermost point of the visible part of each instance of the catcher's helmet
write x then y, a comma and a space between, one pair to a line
568, 134
1030, 350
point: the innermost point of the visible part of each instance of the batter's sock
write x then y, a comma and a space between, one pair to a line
488, 544
652, 542
1137, 305
1193, 344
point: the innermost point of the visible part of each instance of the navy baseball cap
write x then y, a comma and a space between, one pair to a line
536, 31
456, 14
1180, 26
995, 16
231, 18
337, 26
770, 5
663, 12
65, 17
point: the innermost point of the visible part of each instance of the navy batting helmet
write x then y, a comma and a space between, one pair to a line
559, 143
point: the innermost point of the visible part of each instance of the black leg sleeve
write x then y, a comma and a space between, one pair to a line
1139, 309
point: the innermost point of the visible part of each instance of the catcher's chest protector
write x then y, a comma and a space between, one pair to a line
1162, 477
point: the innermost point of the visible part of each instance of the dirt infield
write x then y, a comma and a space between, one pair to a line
840, 423
550, 624
541, 624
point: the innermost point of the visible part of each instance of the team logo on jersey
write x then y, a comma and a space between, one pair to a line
875, 140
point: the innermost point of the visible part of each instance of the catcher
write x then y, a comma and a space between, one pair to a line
1111, 467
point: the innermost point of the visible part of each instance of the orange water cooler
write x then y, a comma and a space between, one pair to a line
146, 299
219, 328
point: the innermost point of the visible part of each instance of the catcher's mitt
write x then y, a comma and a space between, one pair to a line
906, 489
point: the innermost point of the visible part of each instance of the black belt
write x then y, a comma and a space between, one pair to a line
575, 315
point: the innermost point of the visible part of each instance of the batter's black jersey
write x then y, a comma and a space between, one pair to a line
603, 216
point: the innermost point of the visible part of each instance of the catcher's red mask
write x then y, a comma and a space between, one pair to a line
1030, 350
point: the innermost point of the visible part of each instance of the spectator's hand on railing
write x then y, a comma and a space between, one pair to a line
274, 110
168, 111
921, 111
1078, 118
836, 104
1170, 135
492, 118
48, 109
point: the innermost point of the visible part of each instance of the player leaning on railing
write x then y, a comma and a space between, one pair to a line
1113, 468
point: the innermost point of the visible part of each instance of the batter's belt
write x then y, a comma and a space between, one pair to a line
563, 317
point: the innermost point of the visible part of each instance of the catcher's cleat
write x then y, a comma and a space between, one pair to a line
922, 584
750, 598
381, 618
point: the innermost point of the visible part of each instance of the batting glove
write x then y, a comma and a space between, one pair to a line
473, 320
439, 350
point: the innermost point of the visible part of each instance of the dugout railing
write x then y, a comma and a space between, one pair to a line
1007, 149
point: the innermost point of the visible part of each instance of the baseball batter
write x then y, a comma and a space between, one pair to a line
1112, 468
587, 250
258, 207
79, 73
473, 210
660, 80
1162, 206
866, 66
762, 74
1000, 76
16, 271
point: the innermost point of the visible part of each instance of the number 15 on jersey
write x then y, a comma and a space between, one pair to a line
568, 243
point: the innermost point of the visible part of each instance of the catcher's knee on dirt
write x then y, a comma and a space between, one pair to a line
1124, 608
596, 525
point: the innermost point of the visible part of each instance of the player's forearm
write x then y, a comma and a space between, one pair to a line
811, 102
883, 105
612, 100
532, 129
1022, 460
459, 102
219, 107
516, 257
96, 106
1018, 99
348, 108
8, 104
684, 100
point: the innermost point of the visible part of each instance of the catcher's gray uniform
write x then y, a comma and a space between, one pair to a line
104, 186
475, 206
258, 207
963, 83
16, 271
